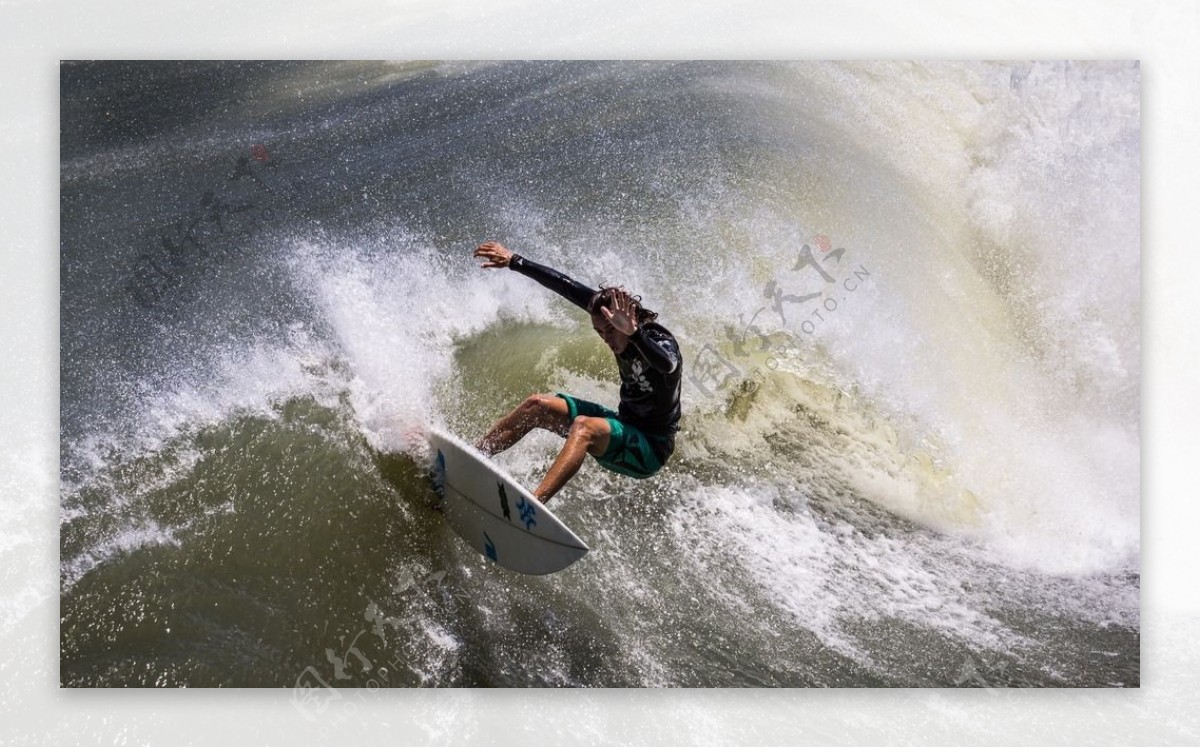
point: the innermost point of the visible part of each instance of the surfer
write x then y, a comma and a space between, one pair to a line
639, 438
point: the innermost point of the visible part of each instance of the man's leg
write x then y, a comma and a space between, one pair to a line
548, 412
586, 436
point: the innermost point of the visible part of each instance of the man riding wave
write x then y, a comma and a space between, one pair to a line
637, 439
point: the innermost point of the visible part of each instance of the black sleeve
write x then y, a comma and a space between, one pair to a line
572, 290
660, 351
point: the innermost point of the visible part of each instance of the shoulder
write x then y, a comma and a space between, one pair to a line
659, 334
657, 331
654, 328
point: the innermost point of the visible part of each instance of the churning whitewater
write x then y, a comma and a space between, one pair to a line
907, 298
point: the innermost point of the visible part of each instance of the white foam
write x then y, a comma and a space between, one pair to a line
148, 533
396, 308
996, 208
248, 380
829, 577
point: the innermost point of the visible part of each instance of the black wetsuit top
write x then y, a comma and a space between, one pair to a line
651, 366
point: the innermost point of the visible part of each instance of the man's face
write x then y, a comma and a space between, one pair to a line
613, 339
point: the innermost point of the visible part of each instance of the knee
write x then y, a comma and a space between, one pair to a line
540, 411
584, 427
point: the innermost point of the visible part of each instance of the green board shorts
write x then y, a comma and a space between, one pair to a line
630, 450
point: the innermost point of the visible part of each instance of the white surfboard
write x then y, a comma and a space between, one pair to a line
495, 515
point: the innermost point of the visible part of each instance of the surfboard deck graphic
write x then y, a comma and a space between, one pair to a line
495, 515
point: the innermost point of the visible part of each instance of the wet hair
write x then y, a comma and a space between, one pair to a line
604, 297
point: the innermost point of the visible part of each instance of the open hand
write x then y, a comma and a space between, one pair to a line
495, 253
621, 316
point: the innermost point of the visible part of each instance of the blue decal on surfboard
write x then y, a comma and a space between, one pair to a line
528, 513
439, 474
489, 548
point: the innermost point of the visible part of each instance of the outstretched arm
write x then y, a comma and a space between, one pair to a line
498, 256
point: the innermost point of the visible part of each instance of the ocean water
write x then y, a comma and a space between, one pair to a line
908, 297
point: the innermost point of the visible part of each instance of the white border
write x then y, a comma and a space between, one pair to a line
35, 35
